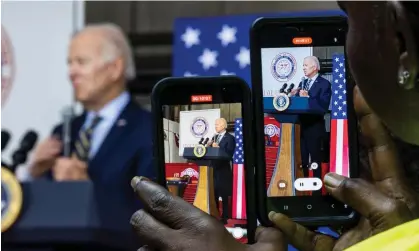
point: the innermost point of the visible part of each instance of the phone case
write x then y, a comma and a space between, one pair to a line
188, 85
258, 120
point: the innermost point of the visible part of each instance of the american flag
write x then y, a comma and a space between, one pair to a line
213, 46
239, 195
339, 150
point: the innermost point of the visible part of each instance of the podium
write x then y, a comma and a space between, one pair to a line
81, 215
287, 169
205, 195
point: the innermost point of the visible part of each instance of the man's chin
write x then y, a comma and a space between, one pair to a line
82, 99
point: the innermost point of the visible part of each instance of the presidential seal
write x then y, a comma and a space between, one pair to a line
199, 151
11, 199
271, 130
199, 127
284, 67
7, 66
281, 102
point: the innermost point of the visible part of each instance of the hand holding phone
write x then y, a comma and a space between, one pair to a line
366, 197
186, 231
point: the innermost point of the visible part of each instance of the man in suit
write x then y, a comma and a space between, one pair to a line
111, 141
223, 176
318, 91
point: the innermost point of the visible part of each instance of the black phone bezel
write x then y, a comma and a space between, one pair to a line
226, 89
262, 35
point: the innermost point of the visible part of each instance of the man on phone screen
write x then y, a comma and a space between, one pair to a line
318, 91
223, 176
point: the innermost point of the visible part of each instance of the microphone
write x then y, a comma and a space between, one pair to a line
5, 138
282, 90
302, 83
21, 154
67, 115
290, 88
205, 141
200, 142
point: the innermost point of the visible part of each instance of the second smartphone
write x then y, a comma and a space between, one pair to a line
305, 124
203, 146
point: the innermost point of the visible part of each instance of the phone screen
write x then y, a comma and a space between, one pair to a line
310, 137
204, 158
306, 118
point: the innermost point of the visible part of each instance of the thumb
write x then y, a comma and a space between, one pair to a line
299, 236
365, 198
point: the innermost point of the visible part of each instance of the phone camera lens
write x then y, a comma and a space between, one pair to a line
301, 29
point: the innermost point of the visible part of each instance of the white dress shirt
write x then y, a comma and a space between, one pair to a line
109, 114
220, 137
312, 81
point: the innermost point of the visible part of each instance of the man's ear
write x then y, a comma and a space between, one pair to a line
409, 51
117, 69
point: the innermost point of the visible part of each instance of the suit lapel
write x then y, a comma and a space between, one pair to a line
312, 89
76, 127
121, 128
223, 139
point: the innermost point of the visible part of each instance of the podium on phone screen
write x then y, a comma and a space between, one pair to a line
287, 169
205, 193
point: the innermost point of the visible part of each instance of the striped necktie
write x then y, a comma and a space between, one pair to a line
218, 138
307, 84
82, 145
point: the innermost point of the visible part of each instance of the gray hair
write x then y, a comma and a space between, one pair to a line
116, 44
315, 60
223, 121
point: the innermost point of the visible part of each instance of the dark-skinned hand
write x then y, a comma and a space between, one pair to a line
168, 223
383, 201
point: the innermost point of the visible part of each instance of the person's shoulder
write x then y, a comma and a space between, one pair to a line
323, 80
142, 115
141, 119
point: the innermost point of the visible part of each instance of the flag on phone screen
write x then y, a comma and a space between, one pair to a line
339, 148
239, 193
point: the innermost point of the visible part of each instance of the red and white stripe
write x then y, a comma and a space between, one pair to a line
339, 147
239, 193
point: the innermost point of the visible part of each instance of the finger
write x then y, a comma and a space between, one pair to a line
269, 239
165, 207
299, 236
150, 231
383, 156
365, 198
268, 234
145, 248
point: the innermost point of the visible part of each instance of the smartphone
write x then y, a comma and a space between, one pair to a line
202, 138
304, 119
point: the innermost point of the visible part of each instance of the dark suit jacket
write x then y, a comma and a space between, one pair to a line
319, 94
223, 176
228, 144
125, 152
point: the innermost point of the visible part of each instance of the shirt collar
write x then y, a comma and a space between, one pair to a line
313, 78
112, 109
222, 133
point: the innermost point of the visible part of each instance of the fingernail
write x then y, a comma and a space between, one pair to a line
271, 215
333, 180
136, 180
